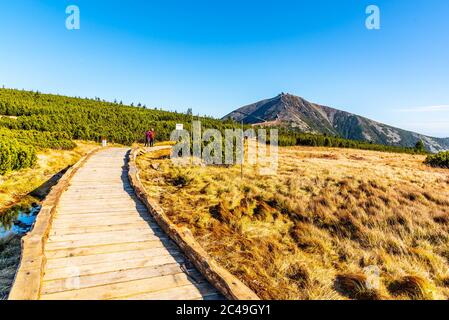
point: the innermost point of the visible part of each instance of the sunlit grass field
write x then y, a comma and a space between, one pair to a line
314, 230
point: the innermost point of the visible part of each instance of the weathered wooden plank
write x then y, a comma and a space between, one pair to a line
76, 197
87, 281
109, 248
139, 209
187, 292
68, 272
109, 257
124, 203
97, 242
99, 222
103, 203
82, 222
94, 229
102, 235
60, 223
122, 289
99, 188
66, 235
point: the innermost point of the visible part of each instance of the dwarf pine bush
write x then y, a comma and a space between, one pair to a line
440, 160
15, 156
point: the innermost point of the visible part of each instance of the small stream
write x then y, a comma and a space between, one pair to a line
18, 221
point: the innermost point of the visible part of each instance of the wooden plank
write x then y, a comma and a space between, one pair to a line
88, 281
101, 216
98, 188
139, 209
122, 289
94, 229
102, 235
63, 273
86, 221
102, 220
104, 204
99, 196
128, 213
109, 248
68, 234
109, 257
98, 242
187, 292
98, 221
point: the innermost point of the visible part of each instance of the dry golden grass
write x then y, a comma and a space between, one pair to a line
311, 231
15, 185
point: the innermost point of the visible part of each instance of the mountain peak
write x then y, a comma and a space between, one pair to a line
288, 97
288, 110
286, 94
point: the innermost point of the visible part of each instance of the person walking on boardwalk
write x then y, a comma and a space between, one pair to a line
151, 137
147, 138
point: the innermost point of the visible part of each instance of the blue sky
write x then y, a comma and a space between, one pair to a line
215, 56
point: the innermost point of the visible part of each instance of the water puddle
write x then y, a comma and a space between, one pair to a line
18, 221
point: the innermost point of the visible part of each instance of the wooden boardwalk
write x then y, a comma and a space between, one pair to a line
104, 245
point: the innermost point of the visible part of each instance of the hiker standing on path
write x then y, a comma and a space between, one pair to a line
151, 137
147, 140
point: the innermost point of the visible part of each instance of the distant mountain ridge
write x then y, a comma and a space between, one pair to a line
293, 111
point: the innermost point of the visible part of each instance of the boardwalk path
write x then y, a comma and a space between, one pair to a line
104, 245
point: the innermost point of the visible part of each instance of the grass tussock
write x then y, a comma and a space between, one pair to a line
356, 286
312, 230
413, 287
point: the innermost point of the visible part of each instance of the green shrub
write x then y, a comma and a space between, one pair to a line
15, 156
292, 138
41, 140
440, 160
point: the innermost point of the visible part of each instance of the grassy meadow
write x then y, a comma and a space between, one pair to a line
313, 230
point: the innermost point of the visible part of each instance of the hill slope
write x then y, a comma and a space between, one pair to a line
89, 119
296, 112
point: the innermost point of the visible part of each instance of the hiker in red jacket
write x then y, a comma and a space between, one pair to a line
147, 138
151, 136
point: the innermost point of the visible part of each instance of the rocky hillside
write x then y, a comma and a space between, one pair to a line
296, 112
